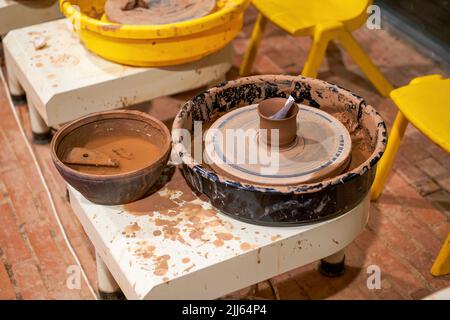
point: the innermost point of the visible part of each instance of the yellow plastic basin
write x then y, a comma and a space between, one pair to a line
154, 45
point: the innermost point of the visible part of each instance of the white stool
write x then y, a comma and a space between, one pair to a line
64, 81
148, 262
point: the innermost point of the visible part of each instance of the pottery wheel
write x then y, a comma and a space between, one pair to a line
322, 148
151, 12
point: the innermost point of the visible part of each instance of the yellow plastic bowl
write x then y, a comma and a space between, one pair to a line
154, 45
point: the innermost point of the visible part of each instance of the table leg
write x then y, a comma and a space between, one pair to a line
334, 265
107, 287
41, 132
15, 89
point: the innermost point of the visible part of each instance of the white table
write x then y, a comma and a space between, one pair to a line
64, 81
132, 249
18, 14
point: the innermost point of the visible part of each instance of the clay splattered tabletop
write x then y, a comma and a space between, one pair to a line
162, 245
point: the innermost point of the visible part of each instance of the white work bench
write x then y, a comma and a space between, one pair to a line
18, 14
64, 81
176, 246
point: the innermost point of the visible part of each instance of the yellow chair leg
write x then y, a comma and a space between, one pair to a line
441, 265
322, 36
364, 62
386, 161
255, 41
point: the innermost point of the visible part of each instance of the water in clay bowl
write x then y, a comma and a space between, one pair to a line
136, 143
154, 12
268, 202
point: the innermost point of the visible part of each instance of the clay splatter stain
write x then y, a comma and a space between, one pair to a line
170, 231
221, 238
196, 234
245, 246
275, 237
34, 33
189, 268
155, 203
157, 233
258, 256
185, 260
145, 250
161, 265
130, 230
194, 219
224, 236
64, 60
111, 27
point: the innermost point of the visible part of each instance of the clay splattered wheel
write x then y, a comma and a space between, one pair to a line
158, 12
322, 148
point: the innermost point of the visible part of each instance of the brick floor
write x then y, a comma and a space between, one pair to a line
405, 231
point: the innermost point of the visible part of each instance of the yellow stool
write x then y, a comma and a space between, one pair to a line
323, 20
424, 103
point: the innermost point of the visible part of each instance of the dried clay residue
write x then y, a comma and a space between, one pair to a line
161, 265
185, 260
170, 229
201, 219
221, 238
189, 268
192, 224
245, 246
166, 202
157, 233
144, 250
130, 230
147, 251
275, 237
362, 147
64, 60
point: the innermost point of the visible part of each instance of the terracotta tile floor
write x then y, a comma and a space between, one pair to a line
406, 229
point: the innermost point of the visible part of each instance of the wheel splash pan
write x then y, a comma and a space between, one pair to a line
154, 45
287, 205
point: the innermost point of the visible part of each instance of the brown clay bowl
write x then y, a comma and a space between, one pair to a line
118, 188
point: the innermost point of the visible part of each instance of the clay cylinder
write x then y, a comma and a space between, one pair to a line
287, 127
